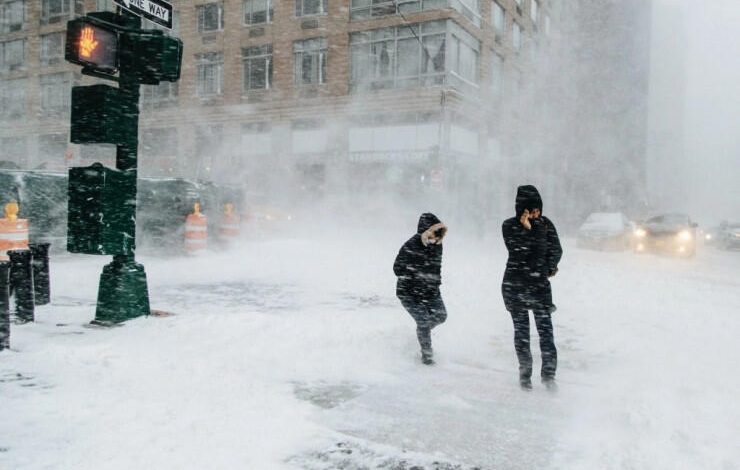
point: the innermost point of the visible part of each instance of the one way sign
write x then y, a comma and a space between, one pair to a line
157, 11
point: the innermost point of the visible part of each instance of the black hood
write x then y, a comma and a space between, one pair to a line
425, 221
527, 197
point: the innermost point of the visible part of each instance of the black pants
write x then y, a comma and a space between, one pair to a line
428, 312
547, 343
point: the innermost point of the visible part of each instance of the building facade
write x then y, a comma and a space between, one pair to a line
286, 94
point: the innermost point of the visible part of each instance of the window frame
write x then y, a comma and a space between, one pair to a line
269, 13
254, 54
209, 59
7, 27
516, 36
47, 60
67, 7
200, 11
7, 67
321, 51
398, 36
497, 7
300, 12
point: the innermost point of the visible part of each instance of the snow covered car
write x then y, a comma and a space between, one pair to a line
605, 231
728, 236
669, 233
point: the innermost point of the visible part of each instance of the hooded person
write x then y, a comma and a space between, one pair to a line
534, 253
418, 267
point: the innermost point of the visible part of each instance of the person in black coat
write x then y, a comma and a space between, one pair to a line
534, 253
418, 267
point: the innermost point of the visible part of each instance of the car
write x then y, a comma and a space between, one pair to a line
728, 236
605, 231
673, 234
710, 235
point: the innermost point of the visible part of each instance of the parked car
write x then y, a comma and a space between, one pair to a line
605, 231
728, 236
669, 233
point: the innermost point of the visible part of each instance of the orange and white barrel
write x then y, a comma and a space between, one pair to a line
13, 231
196, 231
230, 224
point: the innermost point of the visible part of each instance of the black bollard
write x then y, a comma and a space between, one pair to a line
4, 305
21, 283
40, 262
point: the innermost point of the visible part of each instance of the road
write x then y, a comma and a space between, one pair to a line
294, 353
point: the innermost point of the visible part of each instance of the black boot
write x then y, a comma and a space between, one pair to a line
550, 384
525, 383
427, 356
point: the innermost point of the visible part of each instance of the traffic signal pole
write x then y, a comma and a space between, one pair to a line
102, 201
123, 291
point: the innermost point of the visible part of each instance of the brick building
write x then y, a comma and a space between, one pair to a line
275, 94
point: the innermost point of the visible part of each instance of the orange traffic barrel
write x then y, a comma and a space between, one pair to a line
229, 229
13, 231
196, 231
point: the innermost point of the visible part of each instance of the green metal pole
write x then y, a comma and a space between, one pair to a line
123, 292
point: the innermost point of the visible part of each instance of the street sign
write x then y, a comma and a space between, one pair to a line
156, 11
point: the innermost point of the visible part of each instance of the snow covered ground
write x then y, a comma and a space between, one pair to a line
294, 353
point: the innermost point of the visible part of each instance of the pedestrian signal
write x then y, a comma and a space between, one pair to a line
93, 45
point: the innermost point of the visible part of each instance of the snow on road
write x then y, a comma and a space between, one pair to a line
296, 354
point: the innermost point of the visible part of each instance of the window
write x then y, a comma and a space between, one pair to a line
210, 17
13, 98
497, 75
52, 49
55, 94
106, 5
153, 96
395, 58
362, 9
12, 16
516, 38
534, 8
309, 61
210, 69
53, 146
56, 11
310, 7
463, 57
12, 55
470, 9
498, 17
257, 11
257, 68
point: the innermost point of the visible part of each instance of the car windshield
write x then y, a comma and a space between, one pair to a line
670, 219
605, 219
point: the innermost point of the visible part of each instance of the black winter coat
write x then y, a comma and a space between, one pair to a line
533, 257
419, 266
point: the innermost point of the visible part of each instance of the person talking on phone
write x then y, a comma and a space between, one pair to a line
534, 253
418, 266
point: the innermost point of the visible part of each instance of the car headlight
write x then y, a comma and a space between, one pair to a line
684, 235
640, 233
